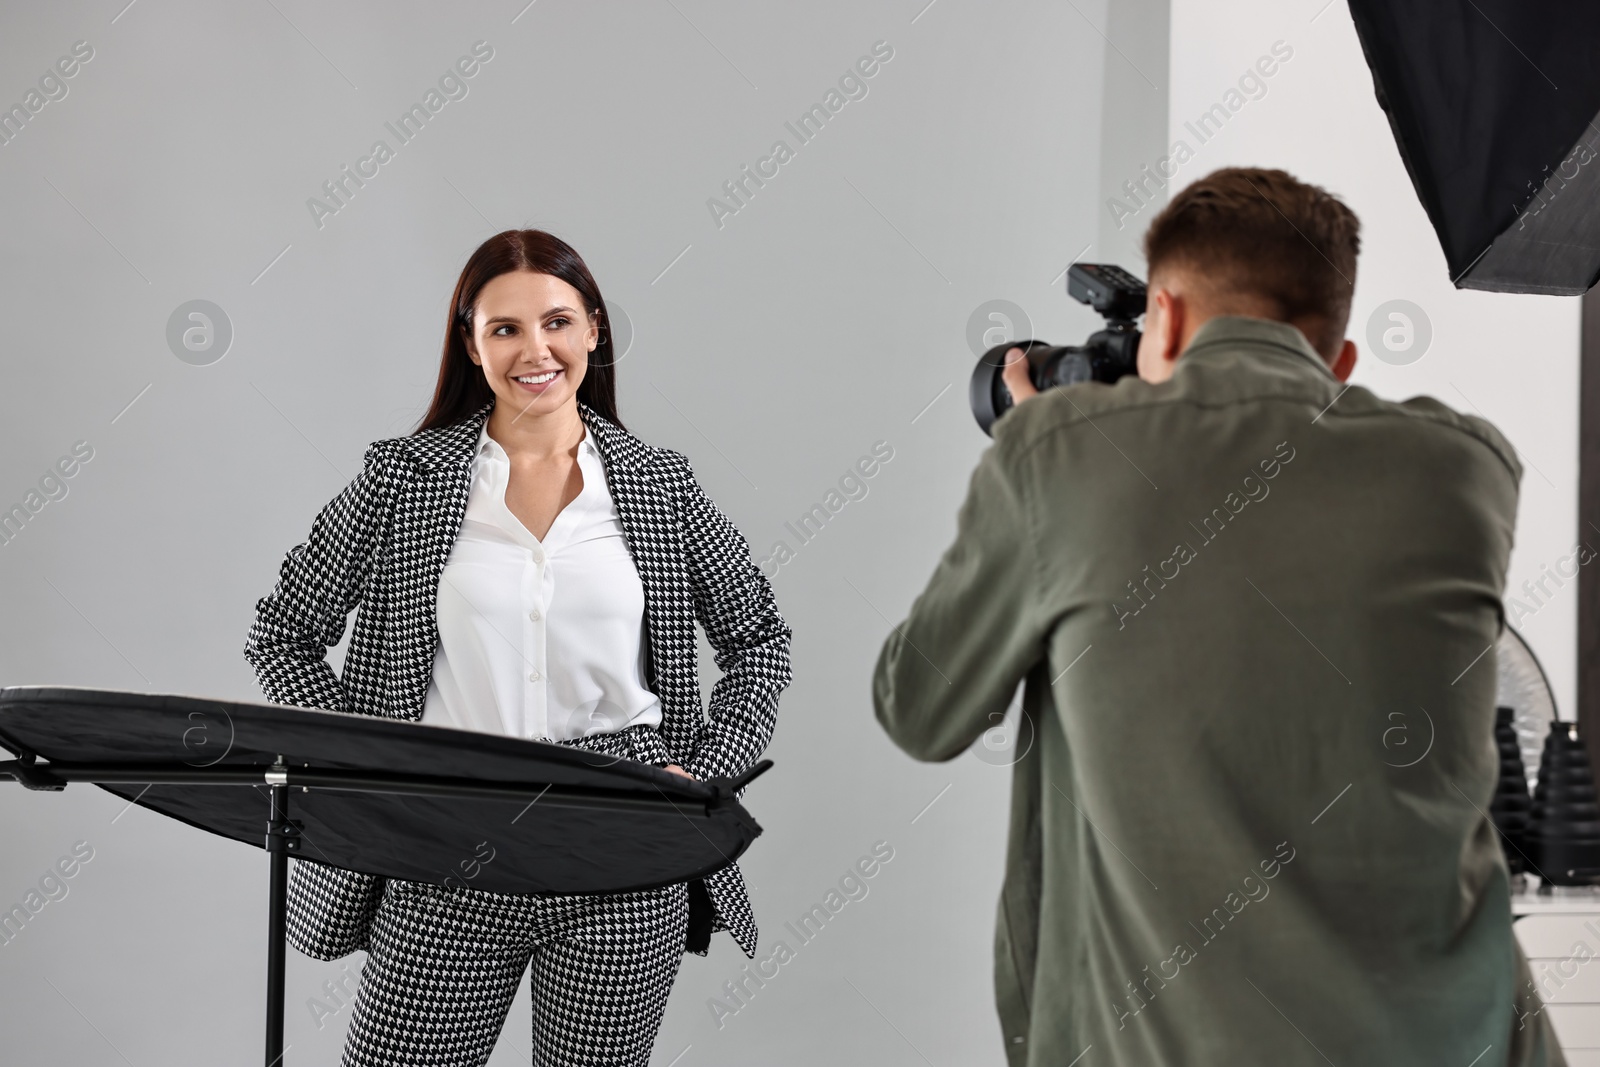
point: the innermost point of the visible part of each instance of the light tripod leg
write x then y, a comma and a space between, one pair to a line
277, 905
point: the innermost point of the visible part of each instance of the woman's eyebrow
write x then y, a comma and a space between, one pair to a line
513, 318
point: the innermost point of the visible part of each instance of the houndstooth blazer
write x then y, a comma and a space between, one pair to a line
382, 543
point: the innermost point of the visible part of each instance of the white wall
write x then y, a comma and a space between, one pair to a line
773, 348
1512, 359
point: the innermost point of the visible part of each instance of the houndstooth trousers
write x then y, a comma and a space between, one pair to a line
444, 963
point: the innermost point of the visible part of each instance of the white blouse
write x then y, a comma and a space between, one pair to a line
540, 639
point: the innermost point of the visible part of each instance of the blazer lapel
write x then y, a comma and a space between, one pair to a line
428, 513
648, 513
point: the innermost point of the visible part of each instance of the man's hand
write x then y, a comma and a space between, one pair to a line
675, 769
1015, 375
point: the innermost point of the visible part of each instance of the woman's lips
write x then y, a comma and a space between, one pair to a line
538, 387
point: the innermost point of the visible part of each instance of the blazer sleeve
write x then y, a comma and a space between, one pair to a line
733, 601
320, 581
947, 673
641, 744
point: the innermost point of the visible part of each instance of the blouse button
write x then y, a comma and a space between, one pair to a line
538, 557
534, 677
534, 615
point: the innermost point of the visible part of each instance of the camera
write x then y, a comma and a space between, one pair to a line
1107, 355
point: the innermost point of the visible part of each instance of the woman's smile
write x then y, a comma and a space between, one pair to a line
538, 383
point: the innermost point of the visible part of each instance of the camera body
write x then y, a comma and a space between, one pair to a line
1107, 355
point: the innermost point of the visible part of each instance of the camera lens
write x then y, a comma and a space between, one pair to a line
986, 391
1108, 355
1048, 366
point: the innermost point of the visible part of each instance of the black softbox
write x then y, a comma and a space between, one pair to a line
1495, 105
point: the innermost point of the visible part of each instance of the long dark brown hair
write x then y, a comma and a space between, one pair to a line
462, 388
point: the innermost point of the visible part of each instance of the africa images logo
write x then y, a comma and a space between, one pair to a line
1211, 526
740, 190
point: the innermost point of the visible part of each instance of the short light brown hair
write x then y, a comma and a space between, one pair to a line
1251, 232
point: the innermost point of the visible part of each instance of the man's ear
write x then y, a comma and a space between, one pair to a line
1345, 361
1173, 313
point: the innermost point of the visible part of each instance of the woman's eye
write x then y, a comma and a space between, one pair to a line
553, 324
508, 326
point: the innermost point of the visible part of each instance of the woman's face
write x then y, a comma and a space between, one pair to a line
532, 336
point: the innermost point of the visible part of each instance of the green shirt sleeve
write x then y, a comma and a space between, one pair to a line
947, 673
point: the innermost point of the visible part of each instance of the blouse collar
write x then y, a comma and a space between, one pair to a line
458, 443
488, 446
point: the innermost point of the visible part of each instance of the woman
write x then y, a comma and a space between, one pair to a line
526, 566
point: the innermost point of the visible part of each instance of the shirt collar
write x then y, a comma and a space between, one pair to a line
1232, 332
488, 446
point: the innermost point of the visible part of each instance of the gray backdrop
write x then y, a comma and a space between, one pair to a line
775, 345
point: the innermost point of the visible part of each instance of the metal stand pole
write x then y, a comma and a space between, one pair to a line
282, 838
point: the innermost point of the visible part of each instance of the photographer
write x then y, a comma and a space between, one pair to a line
1255, 609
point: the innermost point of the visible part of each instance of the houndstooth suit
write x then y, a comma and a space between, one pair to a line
444, 965
382, 543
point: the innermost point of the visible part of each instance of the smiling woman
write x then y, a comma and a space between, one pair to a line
525, 305
525, 566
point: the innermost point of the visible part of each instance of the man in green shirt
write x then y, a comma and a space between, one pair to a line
1255, 609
